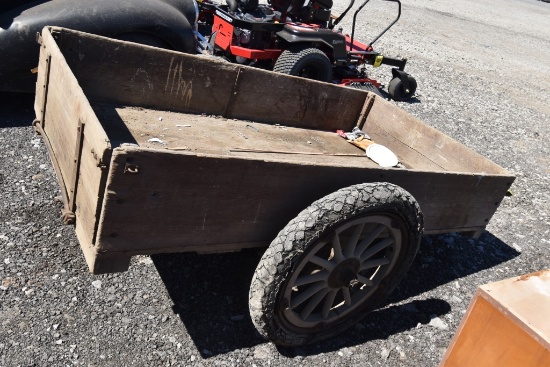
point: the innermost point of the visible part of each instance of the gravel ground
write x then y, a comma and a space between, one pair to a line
483, 75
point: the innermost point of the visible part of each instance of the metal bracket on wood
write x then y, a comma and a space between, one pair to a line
67, 215
131, 168
369, 102
76, 168
45, 87
99, 160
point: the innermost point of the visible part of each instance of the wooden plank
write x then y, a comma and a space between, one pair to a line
506, 325
180, 199
91, 186
526, 300
40, 82
131, 74
62, 120
295, 101
207, 134
421, 144
66, 106
492, 339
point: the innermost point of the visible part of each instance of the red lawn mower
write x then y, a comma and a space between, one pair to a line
298, 37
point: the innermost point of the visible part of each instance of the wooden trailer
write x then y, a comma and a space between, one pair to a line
159, 151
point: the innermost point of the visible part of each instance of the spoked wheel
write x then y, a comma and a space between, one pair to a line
398, 91
309, 63
334, 262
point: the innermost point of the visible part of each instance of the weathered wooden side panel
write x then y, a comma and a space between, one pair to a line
139, 200
420, 145
167, 80
179, 201
79, 154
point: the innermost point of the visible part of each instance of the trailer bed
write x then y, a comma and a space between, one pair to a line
252, 149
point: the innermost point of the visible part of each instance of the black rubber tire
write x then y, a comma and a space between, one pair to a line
305, 62
398, 92
310, 227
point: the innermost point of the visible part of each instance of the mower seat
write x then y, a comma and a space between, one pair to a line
288, 7
317, 11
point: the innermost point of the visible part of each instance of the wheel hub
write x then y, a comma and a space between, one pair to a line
344, 274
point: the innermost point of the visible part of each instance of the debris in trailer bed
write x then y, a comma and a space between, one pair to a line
219, 135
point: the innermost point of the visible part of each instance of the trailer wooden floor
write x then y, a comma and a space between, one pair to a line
204, 134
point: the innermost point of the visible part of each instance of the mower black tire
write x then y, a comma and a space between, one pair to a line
335, 262
305, 62
397, 91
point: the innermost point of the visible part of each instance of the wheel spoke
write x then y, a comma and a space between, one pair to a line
338, 255
376, 248
306, 294
352, 243
311, 278
374, 263
365, 280
324, 263
347, 296
368, 240
329, 301
313, 302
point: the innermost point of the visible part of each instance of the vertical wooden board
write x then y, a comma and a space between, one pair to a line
66, 107
61, 119
90, 192
177, 200
131, 74
396, 128
40, 82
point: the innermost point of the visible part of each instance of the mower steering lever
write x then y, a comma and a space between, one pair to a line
392, 23
332, 25
353, 24
381, 33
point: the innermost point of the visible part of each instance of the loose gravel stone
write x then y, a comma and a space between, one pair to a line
437, 323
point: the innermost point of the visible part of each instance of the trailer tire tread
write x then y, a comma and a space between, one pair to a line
278, 261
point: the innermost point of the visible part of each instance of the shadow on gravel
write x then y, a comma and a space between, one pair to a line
412, 100
440, 260
210, 293
16, 109
445, 258
379, 324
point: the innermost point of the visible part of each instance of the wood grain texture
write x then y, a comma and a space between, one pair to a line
180, 199
506, 325
422, 146
163, 79
66, 106
211, 197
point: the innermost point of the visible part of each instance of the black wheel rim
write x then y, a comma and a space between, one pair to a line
340, 273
